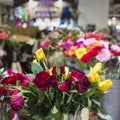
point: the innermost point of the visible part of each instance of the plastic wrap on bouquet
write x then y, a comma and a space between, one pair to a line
111, 100
16, 67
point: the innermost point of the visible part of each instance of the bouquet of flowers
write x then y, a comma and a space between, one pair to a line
53, 93
90, 48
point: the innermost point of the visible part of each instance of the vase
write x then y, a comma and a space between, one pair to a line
111, 100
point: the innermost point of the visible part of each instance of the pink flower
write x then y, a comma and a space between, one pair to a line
3, 36
89, 41
42, 80
115, 49
16, 103
104, 55
45, 43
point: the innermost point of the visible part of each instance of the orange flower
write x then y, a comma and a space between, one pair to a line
72, 50
96, 43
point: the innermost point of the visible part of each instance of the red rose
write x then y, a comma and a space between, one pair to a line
14, 92
66, 86
86, 58
116, 53
92, 53
76, 75
61, 69
42, 80
3, 91
54, 82
9, 80
16, 103
83, 84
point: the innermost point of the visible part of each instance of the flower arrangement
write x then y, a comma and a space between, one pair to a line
91, 47
52, 93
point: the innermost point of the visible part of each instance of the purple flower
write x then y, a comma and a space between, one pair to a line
67, 45
79, 44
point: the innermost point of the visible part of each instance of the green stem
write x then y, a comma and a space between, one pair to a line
48, 98
46, 68
76, 112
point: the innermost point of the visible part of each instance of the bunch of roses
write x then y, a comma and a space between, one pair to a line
11, 85
3, 36
60, 77
90, 46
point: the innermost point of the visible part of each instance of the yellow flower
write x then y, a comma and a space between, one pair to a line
50, 71
105, 85
67, 73
34, 61
97, 68
94, 77
80, 52
40, 54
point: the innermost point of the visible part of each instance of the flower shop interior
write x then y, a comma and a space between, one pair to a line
59, 59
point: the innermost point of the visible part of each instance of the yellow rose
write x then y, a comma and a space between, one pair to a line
50, 71
67, 73
105, 85
40, 54
34, 61
94, 77
97, 68
80, 52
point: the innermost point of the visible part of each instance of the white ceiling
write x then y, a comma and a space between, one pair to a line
7, 2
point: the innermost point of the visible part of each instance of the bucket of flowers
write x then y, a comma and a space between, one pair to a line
55, 93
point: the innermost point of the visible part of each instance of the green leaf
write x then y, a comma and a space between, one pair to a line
90, 93
54, 110
65, 116
36, 68
89, 103
104, 116
96, 102
58, 70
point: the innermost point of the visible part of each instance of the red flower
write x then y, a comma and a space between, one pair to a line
9, 80
83, 84
92, 53
116, 53
14, 92
86, 58
14, 77
66, 86
97, 36
16, 103
54, 82
61, 69
76, 75
45, 43
42, 80
3, 91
